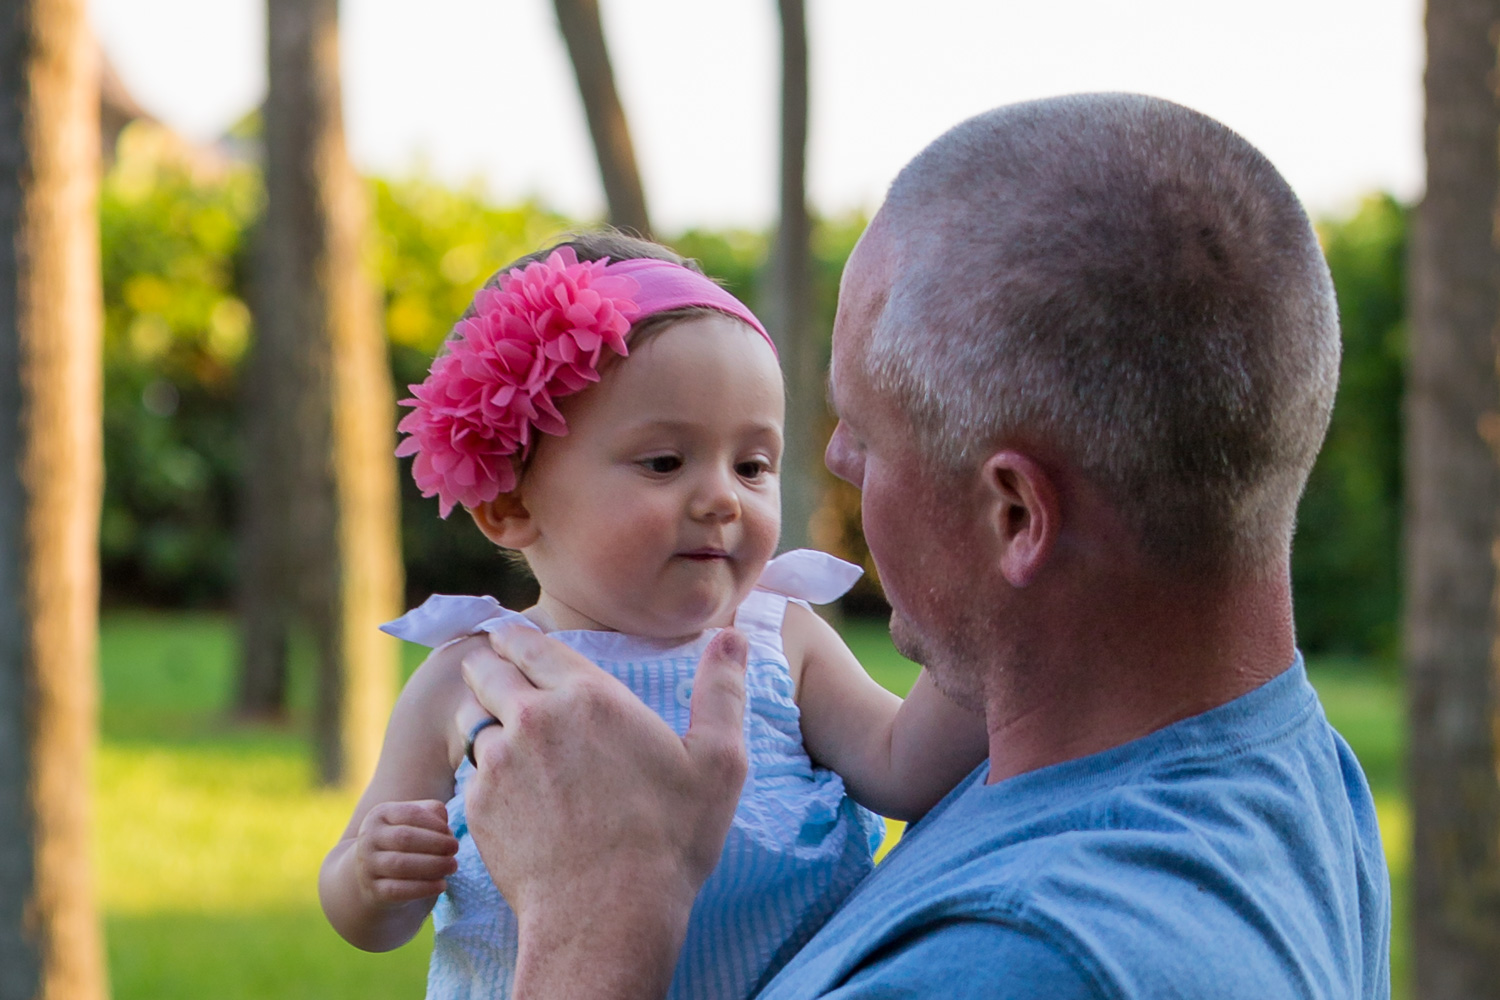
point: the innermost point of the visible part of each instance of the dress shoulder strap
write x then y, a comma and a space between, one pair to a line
803, 575
444, 617
809, 575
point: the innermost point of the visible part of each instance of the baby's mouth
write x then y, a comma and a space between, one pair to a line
704, 554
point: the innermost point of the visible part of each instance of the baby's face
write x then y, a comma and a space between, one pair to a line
657, 511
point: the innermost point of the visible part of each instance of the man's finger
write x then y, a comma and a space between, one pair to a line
718, 705
542, 660
468, 713
497, 683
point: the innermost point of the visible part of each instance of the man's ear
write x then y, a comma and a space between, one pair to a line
505, 521
1025, 514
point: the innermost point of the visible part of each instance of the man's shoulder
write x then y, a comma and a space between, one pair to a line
1150, 868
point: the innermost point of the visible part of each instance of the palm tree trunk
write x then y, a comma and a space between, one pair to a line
1453, 511
51, 470
583, 32
326, 407
789, 302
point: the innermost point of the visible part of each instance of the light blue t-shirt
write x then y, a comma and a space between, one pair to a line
1232, 855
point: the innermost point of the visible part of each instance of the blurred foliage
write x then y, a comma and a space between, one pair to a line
433, 247
1346, 562
174, 238
177, 234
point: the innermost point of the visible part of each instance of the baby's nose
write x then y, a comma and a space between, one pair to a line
716, 499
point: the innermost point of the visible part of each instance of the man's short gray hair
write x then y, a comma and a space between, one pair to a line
1133, 284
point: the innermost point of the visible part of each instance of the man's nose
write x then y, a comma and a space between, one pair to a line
842, 458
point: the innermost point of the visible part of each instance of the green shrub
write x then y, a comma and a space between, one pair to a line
176, 259
1346, 562
177, 255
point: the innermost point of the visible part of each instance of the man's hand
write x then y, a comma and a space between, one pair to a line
596, 821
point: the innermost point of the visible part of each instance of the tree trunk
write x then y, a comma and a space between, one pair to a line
1453, 510
267, 598
51, 471
583, 32
322, 522
117, 108
789, 305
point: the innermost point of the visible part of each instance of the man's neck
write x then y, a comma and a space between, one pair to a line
1156, 653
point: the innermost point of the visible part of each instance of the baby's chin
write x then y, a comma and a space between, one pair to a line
679, 614
681, 630
681, 624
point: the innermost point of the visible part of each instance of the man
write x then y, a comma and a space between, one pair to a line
1084, 358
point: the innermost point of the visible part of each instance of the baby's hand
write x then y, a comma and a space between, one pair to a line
404, 851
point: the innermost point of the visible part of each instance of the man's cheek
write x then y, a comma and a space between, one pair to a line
883, 533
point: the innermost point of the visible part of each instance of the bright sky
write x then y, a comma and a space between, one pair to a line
1330, 90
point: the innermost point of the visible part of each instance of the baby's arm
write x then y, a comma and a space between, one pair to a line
380, 880
896, 757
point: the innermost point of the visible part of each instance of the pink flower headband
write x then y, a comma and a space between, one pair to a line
534, 338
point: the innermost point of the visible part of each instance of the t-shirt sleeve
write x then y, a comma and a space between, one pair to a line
969, 960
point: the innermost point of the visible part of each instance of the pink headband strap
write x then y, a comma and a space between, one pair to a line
533, 337
665, 286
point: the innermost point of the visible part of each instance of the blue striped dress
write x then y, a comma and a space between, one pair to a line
798, 844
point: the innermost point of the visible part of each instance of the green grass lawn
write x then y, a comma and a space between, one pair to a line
209, 834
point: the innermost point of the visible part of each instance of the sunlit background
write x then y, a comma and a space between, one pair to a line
1330, 90
464, 115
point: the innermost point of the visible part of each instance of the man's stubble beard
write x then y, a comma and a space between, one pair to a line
953, 672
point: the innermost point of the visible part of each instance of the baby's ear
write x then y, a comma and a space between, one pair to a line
505, 521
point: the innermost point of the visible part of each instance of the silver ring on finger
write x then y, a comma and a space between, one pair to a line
474, 731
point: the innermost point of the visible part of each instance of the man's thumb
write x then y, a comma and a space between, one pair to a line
717, 709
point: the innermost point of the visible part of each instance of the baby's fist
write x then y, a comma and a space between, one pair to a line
405, 851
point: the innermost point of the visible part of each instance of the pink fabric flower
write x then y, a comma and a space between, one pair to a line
535, 338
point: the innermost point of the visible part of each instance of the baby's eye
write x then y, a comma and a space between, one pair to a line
752, 469
661, 464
